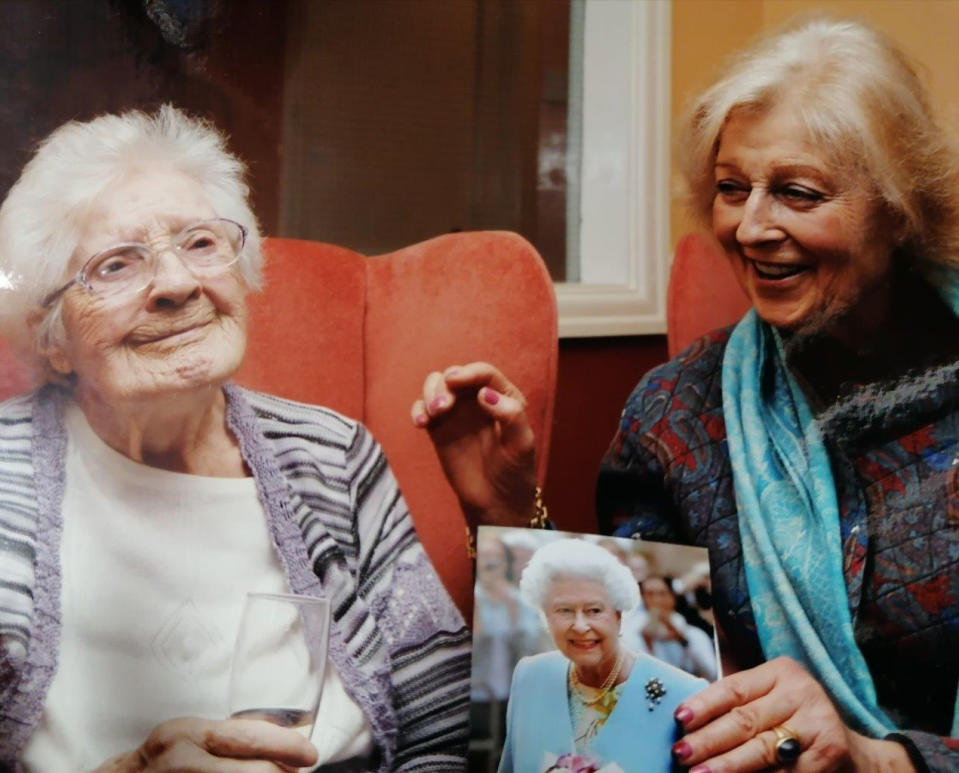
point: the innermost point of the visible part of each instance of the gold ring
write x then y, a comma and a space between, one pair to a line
787, 744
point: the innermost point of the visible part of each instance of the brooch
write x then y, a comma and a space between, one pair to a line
654, 693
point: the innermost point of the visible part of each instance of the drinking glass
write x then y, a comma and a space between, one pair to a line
279, 660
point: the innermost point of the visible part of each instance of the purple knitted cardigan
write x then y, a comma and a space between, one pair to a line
369, 634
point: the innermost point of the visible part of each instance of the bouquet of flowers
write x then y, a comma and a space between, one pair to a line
577, 763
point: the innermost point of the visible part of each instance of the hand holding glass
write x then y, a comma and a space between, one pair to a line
280, 659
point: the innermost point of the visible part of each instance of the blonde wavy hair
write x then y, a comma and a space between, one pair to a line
862, 103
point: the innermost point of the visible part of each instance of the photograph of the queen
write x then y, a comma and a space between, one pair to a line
592, 703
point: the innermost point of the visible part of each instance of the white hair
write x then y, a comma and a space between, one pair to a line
42, 216
578, 558
862, 105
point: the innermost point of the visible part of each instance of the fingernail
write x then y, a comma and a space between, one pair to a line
699, 769
437, 403
452, 371
682, 750
490, 396
421, 420
683, 715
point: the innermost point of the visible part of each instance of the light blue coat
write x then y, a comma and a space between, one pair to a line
635, 738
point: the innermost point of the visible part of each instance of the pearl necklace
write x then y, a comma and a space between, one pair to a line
607, 685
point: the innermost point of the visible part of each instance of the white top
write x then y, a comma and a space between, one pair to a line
155, 568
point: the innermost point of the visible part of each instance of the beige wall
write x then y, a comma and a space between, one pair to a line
705, 32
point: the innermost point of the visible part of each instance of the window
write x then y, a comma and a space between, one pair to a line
545, 117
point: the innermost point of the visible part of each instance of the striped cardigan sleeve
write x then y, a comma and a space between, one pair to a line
428, 642
18, 517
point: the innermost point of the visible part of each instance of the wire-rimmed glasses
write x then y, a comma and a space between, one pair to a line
203, 247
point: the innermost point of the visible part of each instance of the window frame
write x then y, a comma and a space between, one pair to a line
625, 208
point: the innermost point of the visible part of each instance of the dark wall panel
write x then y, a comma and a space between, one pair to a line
596, 375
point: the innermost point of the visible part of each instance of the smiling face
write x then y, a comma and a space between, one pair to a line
806, 242
583, 623
181, 333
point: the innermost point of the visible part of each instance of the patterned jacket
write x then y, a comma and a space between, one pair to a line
667, 477
341, 529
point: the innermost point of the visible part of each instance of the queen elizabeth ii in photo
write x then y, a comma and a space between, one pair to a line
591, 703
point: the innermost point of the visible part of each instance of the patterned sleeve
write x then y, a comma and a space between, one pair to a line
666, 475
428, 642
929, 753
631, 491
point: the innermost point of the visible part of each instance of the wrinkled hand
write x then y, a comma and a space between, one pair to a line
729, 727
191, 745
477, 421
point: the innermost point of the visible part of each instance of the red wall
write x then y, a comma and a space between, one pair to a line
596, 375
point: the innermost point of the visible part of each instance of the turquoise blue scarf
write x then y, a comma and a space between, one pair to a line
789, 518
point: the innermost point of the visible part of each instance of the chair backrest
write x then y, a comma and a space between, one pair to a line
703, 292
359, 335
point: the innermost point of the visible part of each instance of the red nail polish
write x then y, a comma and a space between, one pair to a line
682, 750
421, 420
437, 403
683, 715
490, 396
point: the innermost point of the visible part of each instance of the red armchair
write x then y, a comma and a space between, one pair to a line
360, 334
703, 292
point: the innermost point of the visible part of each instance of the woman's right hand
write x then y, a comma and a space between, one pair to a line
730, 727
477, 421
193, 745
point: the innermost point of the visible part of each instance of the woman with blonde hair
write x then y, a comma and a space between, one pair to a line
812, 446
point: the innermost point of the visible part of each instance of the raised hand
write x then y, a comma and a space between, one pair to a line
477, 421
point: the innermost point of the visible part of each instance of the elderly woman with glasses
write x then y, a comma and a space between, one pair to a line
141, 493
814, 446
591, 698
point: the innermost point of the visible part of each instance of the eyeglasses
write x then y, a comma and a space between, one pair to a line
204, 248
